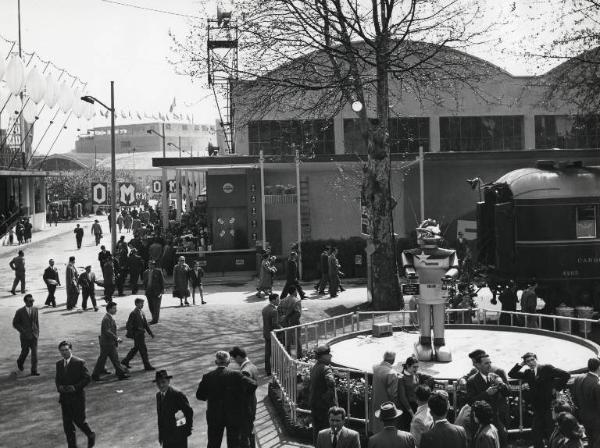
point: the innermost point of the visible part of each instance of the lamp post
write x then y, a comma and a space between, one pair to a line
164, 194
113, 165
173, 145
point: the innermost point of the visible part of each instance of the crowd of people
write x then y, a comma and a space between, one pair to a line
407, 411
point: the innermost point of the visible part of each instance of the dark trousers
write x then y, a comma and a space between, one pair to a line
121, 282
541, 427
73, 413
97, 237
320, 421
19, 277
286, 289
133, 281
247, 436
405, 418
72, 296
26, 345
51, 300
268, 355
323, 283
109, 290
291, 337
215, 434
334, 284
139, 345
154, 306
110, 352
78, 242
179, 444
88, 293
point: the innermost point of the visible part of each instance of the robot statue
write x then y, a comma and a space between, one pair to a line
433, 268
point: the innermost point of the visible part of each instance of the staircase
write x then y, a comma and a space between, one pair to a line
304, 209
9, 222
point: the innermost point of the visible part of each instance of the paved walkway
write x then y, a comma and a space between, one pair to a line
123, 412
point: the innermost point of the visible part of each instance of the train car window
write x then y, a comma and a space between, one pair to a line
586, 221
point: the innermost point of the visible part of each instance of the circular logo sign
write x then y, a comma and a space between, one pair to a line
228, 188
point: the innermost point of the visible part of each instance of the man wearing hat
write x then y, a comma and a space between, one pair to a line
224, 390
137, 326
540, 382
322, 390
175, 415
390, 436
97, 231
87, 280
154, 287
337, 435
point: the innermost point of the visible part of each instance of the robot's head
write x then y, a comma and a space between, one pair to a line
428, 233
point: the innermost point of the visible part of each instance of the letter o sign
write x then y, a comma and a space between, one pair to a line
99, 193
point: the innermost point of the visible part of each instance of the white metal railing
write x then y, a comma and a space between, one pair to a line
280, 199
305, 337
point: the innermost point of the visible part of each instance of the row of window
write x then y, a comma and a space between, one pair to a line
579, 222
487, 133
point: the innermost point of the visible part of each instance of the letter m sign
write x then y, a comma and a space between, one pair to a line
126, 193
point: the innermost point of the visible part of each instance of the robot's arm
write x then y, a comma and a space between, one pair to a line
407, 264
452, 272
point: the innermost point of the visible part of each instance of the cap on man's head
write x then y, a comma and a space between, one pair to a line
528, 355
102, 247
322, 350
138, 300
476, 353
89, 266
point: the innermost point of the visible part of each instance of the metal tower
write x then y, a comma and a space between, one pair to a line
222, 63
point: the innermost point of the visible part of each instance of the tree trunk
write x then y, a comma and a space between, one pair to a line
377, 188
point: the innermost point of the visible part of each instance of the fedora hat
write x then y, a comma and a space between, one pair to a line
162, 375
388, 411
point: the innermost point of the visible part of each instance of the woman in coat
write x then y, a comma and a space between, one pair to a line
407, 383
487, 434
265, 276
180, 281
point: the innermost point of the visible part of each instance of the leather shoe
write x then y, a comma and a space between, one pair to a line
20, 365
96, 378
92, 440
123, 377
125, 363
35, 373
149, 368
106, 372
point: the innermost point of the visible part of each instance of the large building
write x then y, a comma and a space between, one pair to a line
489, 123
191, 138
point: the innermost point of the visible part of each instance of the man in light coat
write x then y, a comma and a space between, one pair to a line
422, 420
385, 387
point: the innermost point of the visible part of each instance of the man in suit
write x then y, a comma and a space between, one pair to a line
291, 277
222, 389
175, 415
109, 342
247, 437
586, 395
72, 284
443, 434
385, 387
322, 395
390, 436
135, 267
137, 326
52, 280
71, 378
27, 324
540, 381
324, 264
110, 279
333, 269
17, 264
103, 255
270, 317
290, 310
487, 386
337, 435
422, 420
78, 235
97, 232
154, 286
87, 281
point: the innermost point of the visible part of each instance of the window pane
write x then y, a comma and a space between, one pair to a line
586, 222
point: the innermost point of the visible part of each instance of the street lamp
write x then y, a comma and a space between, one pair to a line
113, 165
179, 148
164, 196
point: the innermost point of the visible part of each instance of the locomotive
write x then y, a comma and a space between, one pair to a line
541, 224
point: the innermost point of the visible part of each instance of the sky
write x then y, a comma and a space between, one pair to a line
101, 40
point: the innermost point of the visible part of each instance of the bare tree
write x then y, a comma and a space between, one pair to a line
315, 57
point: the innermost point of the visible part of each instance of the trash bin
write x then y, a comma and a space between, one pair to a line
584, 312
564, 326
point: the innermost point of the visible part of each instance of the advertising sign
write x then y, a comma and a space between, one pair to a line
126, 193
99, 193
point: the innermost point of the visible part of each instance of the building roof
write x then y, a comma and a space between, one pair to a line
137, 160
541, 183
